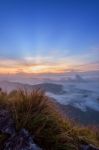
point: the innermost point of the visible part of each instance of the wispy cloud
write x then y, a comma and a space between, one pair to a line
54, 62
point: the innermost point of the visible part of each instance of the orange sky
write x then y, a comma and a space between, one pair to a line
44, 65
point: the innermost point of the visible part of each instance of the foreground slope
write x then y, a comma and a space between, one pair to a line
37, 114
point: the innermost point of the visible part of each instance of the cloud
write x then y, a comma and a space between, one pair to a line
54, 62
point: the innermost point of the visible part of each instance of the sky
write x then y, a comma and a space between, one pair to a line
49, 36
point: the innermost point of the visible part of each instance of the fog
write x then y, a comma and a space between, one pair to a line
81, 90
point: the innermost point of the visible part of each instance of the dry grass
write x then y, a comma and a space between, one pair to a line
37, 113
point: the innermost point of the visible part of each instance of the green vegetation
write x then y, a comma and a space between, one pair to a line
35, 112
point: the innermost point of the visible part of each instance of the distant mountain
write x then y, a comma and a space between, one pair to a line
76, 78
48, 87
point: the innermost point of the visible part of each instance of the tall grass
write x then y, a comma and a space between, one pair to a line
37, 113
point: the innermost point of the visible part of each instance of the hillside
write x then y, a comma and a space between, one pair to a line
77, 99
31, 121
48, 87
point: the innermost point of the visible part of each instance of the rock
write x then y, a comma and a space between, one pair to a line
88, 147
21, 141
6, 122
17, 141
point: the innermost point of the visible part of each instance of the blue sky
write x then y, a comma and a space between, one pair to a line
47, 32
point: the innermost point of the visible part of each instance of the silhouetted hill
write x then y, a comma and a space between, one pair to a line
48, 87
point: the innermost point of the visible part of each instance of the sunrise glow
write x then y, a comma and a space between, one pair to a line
48, 37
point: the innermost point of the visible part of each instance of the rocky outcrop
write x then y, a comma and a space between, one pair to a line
86, 146
21, 141
16, 141
6, 123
